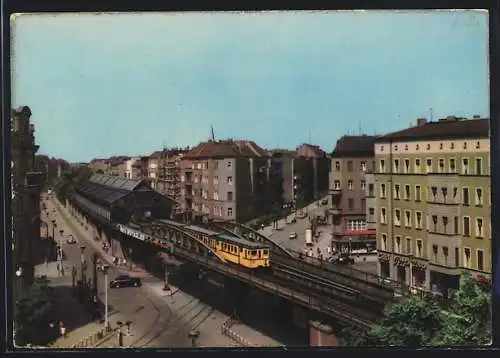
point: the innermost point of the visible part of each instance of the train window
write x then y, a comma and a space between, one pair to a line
266, 252
253, 252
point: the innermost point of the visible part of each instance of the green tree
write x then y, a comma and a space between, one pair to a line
35, 317
417, 322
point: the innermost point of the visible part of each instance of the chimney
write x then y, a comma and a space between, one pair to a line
421, 121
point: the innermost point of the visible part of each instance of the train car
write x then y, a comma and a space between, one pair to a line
242, 252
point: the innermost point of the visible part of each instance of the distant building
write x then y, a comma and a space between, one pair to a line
98, 165
225, 180
26, 189
433, 190
50, 168
352, 159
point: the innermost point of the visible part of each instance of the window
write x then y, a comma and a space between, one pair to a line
408, 245
363, 167
428, 146
370, 189
433, 191
480, 260
337, 165
350, 184
407, 192
229, 196
395, 147
229, 164
230, 180
371, 211
229, 211
452, 145
465, 166
383, 215
397, 248
382, 190
336, 184
419, 248
466, 228
363, 185
440, 145
417, 147
435, 221
350, 204
441, 165
428, 166
465, 145
397, 217
457, 257
465, 196
467, 258
216, 180
418, 220
396, 191
445, 254
417, 193
383, 242
479, 196
435, 251
455, 225
479, 227
452, 164
349, 166
363, 205
407, 166
417, 166
356, 225
479, 166
382, 165
407, 218
396, 165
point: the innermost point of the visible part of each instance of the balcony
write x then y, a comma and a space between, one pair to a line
336, 192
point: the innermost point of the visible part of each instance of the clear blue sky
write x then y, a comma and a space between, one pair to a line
102, 85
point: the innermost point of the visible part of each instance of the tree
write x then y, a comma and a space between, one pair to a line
35, 317
417, 322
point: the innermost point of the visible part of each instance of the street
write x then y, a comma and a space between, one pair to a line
159, 319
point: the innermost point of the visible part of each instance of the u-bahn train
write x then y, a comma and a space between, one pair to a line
249, 254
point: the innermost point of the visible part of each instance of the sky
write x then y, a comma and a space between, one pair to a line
101, 85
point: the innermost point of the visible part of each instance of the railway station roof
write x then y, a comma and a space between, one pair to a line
109, 189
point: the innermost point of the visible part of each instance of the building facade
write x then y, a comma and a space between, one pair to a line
224, 180
26, 189
352, 159
312, 165
433, 200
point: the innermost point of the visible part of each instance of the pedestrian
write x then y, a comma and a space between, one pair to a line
58, 269
62, 329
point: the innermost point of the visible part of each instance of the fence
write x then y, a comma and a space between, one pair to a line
93, 339
227, 331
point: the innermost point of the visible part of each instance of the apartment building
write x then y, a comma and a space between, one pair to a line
224, 180
352, 159
137, 167
303, 174
433, 200
98, 165
26, 189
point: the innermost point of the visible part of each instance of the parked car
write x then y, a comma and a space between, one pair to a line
71, 240
125, 281
292, 235
344, 259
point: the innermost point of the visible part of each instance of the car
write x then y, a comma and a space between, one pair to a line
71, 240
125, 281
292, 235
344, 259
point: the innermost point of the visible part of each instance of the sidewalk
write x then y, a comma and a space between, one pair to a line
96, 246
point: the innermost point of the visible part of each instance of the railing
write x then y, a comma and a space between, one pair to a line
227, 331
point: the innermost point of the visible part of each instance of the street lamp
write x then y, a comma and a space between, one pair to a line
105, 269
82, 259
54, 225
166, 287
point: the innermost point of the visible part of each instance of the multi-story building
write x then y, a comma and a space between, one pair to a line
433, 201
303, 173
116, 166
352, 159
98, 165
225, 180
26, 190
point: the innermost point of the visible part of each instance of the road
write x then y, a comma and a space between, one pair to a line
159, 319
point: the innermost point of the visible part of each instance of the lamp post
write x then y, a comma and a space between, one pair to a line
166, 287
82, 259
105, 269
120, 333
54, 225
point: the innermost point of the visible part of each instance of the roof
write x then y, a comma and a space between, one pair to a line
116, 182
355, 146
454, 128
99, 193
226, 149
241, 242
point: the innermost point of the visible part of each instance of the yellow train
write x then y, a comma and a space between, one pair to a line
246, 253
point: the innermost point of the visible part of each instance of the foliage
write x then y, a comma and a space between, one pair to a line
35, 317
70, 177
417, 322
